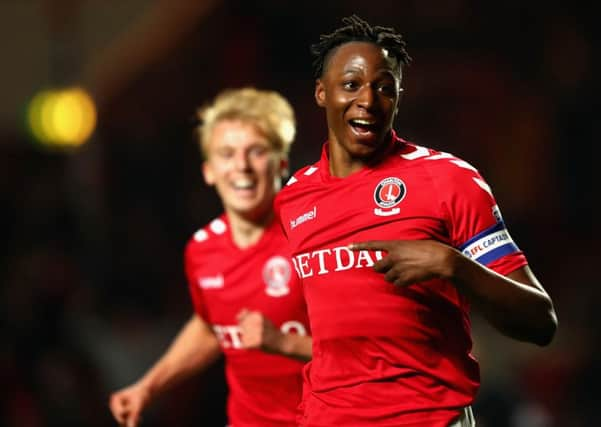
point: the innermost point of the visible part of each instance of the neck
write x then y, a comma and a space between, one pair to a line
245, 231
342, 164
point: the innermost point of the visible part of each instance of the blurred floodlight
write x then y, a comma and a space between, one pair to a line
34, 115
62, 117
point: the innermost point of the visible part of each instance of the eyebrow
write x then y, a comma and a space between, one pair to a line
352, 70
384, 72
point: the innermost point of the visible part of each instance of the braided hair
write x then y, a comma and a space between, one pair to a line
357, 29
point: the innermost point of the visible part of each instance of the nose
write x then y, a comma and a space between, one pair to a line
241, 161
366, 97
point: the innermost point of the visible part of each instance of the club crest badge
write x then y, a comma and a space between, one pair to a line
276, 274
388, 193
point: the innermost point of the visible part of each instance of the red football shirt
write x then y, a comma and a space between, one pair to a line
386, 355
264, 389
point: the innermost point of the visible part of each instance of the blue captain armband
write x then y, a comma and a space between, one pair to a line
489, 245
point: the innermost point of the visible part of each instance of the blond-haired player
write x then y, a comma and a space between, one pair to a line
247, 301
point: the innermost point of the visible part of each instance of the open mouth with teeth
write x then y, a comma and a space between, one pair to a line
243, 184
363, 127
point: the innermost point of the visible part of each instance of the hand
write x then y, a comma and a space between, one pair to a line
127, 404
258, 331
410, 261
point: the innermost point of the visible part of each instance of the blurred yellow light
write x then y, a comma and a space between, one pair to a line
46, 114
34, 115
64, 118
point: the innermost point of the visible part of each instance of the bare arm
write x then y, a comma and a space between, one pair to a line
192, 350
260, 333
517, 304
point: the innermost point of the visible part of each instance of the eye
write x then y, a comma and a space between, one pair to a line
350, 85
387, 89
258, 150
224, 153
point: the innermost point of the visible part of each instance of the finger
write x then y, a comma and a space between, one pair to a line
121, 416
133, 420
123, 419
383, 265
372, 245
118, 407
242, 314
114, 399
395, 277
391, 276
399, 282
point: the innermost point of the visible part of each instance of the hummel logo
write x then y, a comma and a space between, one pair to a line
307, 216
212, 282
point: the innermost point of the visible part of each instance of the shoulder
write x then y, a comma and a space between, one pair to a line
446, 169
207, 238
302, 176
432, 158
298, 183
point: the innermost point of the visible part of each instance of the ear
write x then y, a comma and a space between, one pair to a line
398, 101
320, 93
207, 173
284, 168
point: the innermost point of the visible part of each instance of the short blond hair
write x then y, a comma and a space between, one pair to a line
268, 110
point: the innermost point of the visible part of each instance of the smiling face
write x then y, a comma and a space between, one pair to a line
359, 90
244, 168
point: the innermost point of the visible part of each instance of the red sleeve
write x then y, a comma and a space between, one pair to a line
190, 260
277, 213
473, 218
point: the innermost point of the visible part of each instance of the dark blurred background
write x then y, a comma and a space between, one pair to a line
92, 285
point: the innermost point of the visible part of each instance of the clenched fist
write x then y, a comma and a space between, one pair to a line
127, 404
258, 331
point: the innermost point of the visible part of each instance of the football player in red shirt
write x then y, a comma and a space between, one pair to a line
248, 302
394, 243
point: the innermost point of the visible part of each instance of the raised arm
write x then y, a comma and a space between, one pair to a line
192, 350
